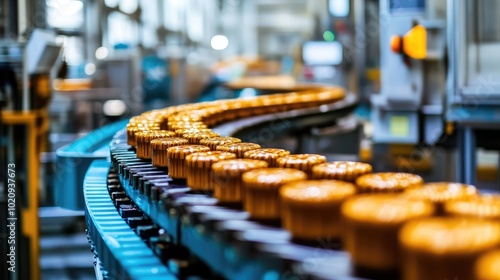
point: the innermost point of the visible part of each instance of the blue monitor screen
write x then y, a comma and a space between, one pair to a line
405, 5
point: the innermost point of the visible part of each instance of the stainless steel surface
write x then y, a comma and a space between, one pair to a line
472, 86
409, 85
476, 42
473, 93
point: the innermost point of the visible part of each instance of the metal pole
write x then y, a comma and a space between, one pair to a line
10, 13
469, 156
25, 86
498, 173
459, 174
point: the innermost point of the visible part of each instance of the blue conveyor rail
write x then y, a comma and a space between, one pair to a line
72, 161
120, 250
225, 239
189, 233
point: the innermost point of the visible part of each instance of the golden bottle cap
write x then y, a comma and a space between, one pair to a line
174, 125
187, 125
488, 266
238, 148
197, 115
165, 143
226, 114
178, 125
159, 149
133, 129
148, 135
303, 162
270, 155
371, 224
292, 100
206, 159
310, 210
485, 206
308, 98
384, 209
226, 178
274, 100
181, 131
261, 190
235, 167
144, 138
244, 108
195, 137
341, 170
330, 94
210, 111
198, 169
442, 192
235, 105
316, 192
181, 152
388, 182
214, 142
176, 159
182, 118
256, 102
142, 121
450, 236
272, 177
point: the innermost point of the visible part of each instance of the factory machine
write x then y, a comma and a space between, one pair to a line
473, 93
145, 224
25, 90
409, 107
175, 200
437, 87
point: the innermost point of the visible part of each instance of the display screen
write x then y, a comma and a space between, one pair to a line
406, 5
322, 53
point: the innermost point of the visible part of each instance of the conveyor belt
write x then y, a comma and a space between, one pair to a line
74, 159
185, 233
324, 115
195, 228
121, 251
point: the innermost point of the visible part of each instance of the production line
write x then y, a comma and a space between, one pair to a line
210, 213
249, 139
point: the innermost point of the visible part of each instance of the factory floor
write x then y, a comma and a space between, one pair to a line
64, 250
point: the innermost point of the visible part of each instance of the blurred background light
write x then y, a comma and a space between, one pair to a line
89, 69
101, 53
328, 36
219, 42
128, 6
114, 108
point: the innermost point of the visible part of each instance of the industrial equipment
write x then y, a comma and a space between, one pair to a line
380, 89
408, 108
145, 223
473, 93
169, 231
73, 161
26, 91
114, 92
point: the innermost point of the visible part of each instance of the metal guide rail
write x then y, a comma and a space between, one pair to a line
324, 115
143, 218
119, 253
143, 224
74, 159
